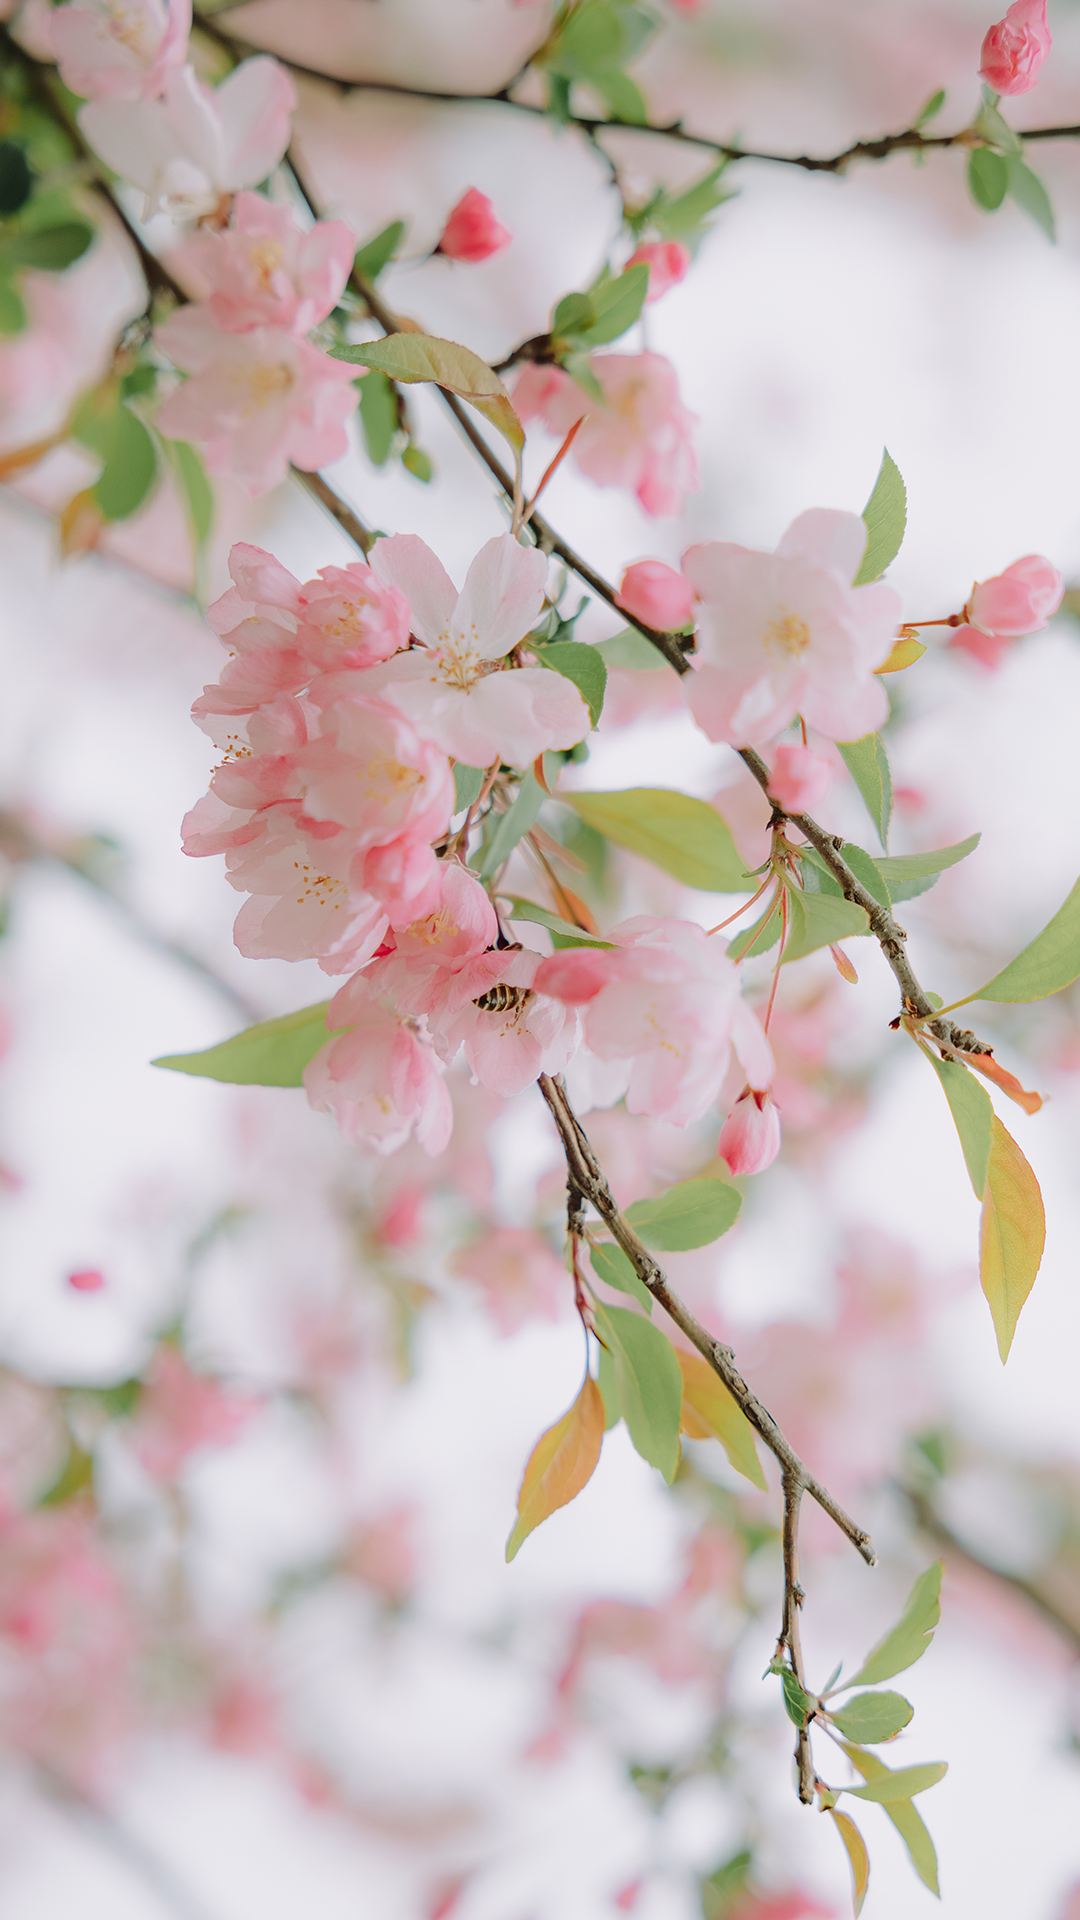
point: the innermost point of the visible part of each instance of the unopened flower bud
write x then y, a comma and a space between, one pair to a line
472, 232
668, 262
1015, 48
800, 779
750, 1136
1020, 600
656, 594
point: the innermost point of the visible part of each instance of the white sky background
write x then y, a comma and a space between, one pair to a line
822, 320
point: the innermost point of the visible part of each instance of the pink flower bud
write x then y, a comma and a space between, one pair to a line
1020, 600
800, 779
472, 231
668, 262
655, 593
1015, 48
750, 1136
87, 1280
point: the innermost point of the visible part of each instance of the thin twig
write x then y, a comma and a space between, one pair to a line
938, 1530
789, 1631
587, 1176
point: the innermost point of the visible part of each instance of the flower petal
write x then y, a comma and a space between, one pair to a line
502, 597
407, 562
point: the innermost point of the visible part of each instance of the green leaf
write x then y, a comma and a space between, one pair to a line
648, 1383
195, 489
76, 1476
616, 305
378, 416
418, 463
908, 1823
1029, 193
868, 871
1012, 1234
909, 874
973, 1114
868, 764
885, 514
798, 1704
684, 214
49, 249
577, 365
909, 1639
720, 1890
611, 1265
1051, 962
684, 836
759, 937
855, 1847
820, 920
988, 178
583, 666
16, 178
13, 316
903, 1784
872, 1717
693, 1214
420, 357
609, 1392
630, 649
468, 785
931, 110
569, 935
273, 1054
511, 826
621, 94
993, 128
376, 254
130, 466
574, 312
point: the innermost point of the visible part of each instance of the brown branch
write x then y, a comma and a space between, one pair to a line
909, 140
587, 1177
939, 1531
789, 1629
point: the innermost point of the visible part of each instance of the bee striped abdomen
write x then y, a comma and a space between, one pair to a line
501, 998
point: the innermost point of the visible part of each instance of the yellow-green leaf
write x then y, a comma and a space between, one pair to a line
857, 1854
412, 357
868, 764
562, 1461
648, 1384
684, 836
611, 1265
273, 1054
909, 1639
1051, 962
710, 1413
908, 1823
818, 920
1012, 1236
904, 654
973, 1115
902, 1784
885, 514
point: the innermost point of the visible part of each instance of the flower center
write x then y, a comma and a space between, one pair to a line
265, 383
790, 635
266, 256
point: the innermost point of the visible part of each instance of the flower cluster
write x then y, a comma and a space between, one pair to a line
639, 437
260, 394
150, 118
338, 712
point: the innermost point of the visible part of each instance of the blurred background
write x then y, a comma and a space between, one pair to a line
265, 1401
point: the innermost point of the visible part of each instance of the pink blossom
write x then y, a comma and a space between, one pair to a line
381, 1080
750, 1136
120, 49
668, 262
181, 1411
518, 1274
784, 634
656, 594
453, 687
1020, 600
667, 998
1015, 48
266, 271
256, 401
640, 438
197, 143
279, 632
87, 1280
383, 1554
472, 232
800, 779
